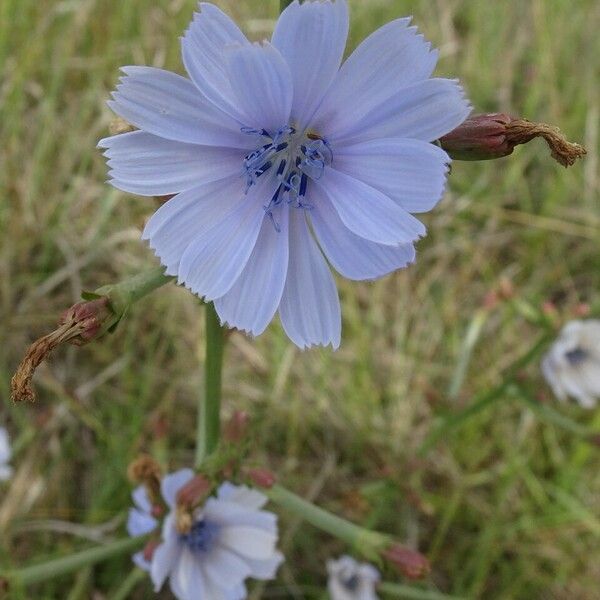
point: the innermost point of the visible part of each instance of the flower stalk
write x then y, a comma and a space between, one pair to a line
209, 405
369, 543
61, 566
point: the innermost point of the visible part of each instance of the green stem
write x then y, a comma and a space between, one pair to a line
209, 406
125, 293
406, 591
284, 4
367, 542
482, 401
129, 584
68, 564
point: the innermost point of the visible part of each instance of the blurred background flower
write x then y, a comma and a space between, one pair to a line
350, 580
572, 365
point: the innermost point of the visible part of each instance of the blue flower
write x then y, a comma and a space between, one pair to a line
230, 539
281, 161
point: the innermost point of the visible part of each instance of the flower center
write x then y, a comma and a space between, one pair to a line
576, 356
351, 582
296, 158
200, 536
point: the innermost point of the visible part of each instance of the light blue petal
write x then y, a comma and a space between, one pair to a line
411, 172
164, 559
212, 263
265, 569
140, 523
224, 569
186, 579
225, 512
141, 562
311, 37
392, 58
252, 301
5, 450
367, 212
350, 255
141, 500
142, 163
170, 106
310, 307
188, 216
424, 111
172, 483
262, 84
238, 593
203, 48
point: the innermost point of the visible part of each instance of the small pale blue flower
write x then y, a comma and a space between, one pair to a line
281, 161
230, 539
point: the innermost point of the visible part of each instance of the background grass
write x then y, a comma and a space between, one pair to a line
504, 500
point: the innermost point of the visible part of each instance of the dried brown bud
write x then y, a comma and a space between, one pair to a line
235, 429
147, 471
494, 135
78, 325
412, 564
262, 478
89, 317
194, 492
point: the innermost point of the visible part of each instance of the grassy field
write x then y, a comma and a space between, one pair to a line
504, 498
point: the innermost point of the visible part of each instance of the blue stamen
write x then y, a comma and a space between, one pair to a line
201, 536
281, 167
303, 185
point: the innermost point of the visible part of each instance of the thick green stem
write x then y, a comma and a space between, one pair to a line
367, 542
125, 293
69, 564
209, 406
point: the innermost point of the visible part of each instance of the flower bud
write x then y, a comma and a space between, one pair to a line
262, 478
193, 492
495, 135
88, 317
480, 137
412, 564
235, 429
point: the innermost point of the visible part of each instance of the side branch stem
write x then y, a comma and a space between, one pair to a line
67, 564
369, 543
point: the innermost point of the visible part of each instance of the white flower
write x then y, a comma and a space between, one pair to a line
5, 454
572, 365
231, 539
350, 580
